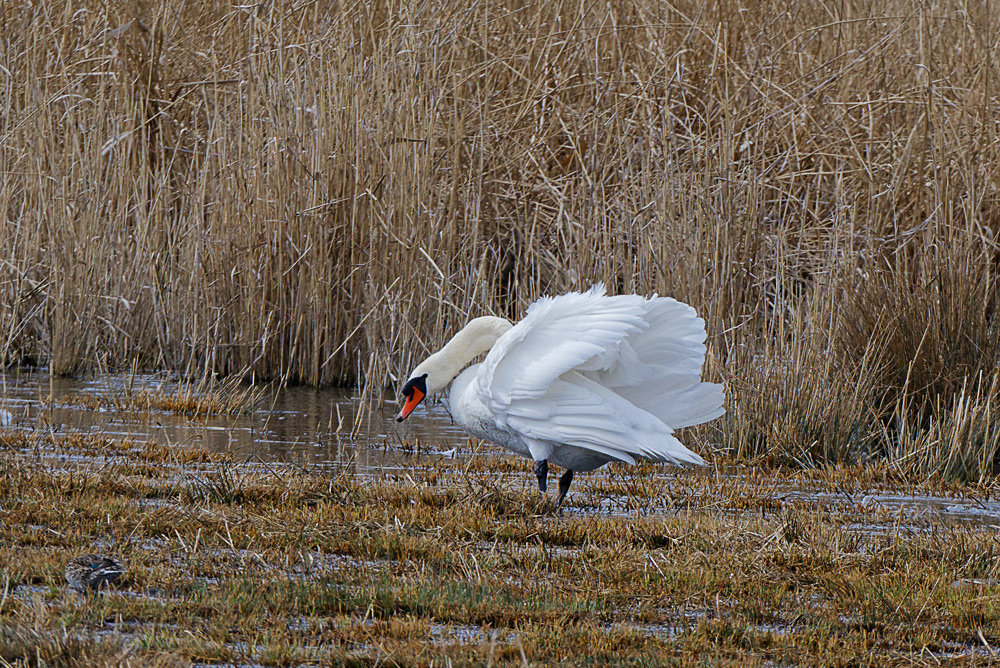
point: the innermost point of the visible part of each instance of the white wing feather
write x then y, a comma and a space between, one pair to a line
662, 374
577, 411
556, 335
602, 373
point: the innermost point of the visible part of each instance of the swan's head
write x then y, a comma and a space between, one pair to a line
435, 372
413, 392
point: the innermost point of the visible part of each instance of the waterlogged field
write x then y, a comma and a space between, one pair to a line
439, 552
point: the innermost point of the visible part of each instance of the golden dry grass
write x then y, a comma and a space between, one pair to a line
322, 192
458, 563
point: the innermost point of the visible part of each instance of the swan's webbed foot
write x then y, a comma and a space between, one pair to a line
564, 482
542, 473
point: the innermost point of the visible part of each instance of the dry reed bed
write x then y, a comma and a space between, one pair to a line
321, 192
457, 564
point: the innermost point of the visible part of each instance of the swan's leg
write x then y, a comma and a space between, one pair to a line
564, 482
542, 473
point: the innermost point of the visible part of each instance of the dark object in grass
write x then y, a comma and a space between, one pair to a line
92, 572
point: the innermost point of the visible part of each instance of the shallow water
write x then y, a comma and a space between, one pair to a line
302, 426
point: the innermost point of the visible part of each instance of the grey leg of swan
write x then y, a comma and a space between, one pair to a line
564, 482
542, 473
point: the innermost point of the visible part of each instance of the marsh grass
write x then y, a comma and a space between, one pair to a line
458, 563
322, 193
204, 397
29, 647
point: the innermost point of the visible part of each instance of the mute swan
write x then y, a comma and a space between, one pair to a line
584, 379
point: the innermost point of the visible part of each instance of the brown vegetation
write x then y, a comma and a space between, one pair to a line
205, 397
322, 192
458, 563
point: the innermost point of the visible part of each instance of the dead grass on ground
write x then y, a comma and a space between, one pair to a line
462, 563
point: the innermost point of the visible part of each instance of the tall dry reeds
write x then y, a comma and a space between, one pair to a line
322, 192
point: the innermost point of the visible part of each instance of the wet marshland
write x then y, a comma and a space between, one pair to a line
332, 430
300, 527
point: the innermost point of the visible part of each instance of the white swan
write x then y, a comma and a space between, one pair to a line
584, 379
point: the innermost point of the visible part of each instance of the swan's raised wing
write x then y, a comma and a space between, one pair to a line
557, 335
658, 368
553, 376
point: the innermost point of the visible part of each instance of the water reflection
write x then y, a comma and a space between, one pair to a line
304, 426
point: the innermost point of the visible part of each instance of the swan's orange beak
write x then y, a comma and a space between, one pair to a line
411, 402
415, 390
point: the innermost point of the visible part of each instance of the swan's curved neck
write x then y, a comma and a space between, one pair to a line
475, 339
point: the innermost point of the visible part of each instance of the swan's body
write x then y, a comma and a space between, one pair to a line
584, 379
